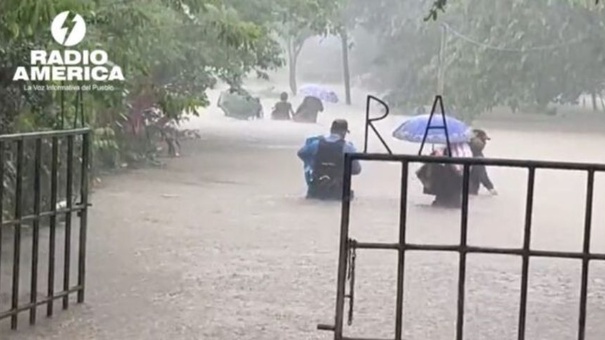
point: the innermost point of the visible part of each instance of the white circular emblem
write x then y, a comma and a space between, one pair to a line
68, 32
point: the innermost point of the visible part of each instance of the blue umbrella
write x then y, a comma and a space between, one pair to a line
413, 130
319, 92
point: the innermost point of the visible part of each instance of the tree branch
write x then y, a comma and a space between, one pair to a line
439, 5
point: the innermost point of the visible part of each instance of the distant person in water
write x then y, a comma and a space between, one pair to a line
478, 175
307, 111
282, 109
323, 159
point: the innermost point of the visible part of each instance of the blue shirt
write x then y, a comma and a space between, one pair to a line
308, 152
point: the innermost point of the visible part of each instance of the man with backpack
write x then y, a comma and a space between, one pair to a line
323, 158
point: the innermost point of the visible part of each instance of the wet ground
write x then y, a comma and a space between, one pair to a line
221, 245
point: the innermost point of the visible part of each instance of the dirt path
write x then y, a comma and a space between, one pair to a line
221, 246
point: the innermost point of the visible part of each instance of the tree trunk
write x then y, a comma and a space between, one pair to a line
292, 58
594, 101
344, 38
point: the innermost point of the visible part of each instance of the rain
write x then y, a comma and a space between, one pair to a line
210, 235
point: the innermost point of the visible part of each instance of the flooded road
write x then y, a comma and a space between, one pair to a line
221, 245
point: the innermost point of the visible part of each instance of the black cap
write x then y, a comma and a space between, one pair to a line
340, 125
481, 134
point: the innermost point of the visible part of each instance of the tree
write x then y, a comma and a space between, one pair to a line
530, 53
345, 20
171, 51
293, 38
299, 20
439, 6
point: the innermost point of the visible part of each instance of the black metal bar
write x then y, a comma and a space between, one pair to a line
29, 306
480, 250
17, 233
68, 218
30, 218
84, 180
78, 108
586, 250
447, 134
36, 231
1, 204
426, 131
529, 206
343, 250
379, 246
369, 123
347, 338
511, 163
62, 107
463, 244
82, 107
351, 277
43, 134
403, 206
366, 133
323, 327
53, 224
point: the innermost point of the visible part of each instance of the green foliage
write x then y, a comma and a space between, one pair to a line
107, 153
496, 53
294, 21
170, 51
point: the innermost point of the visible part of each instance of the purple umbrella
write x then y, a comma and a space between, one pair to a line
413, 130
319, 92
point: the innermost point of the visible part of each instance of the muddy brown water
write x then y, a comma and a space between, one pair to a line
221, 245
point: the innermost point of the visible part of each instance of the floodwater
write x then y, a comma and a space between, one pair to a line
221, 245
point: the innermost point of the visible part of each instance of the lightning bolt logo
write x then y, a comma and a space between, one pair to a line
68, 28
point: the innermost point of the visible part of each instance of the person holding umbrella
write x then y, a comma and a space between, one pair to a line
479, 176
444, 181
308, 110
312, 104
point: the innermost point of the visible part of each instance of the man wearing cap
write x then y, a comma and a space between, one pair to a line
479, 174
323, 158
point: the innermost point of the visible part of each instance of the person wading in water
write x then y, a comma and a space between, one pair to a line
478, 175
308, 110
323, 159
283, 108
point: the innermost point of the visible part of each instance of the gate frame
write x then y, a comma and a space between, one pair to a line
81, 209
347, 244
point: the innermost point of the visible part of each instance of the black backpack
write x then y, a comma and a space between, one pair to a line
328, 168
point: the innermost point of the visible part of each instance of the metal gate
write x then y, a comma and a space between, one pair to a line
45, 181
349, 245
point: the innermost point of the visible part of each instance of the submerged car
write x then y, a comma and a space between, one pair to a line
239, 104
